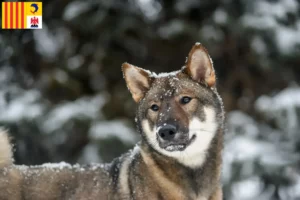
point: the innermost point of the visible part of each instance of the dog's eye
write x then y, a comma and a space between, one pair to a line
154, 107
185, 100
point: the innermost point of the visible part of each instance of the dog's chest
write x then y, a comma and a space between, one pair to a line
200, 197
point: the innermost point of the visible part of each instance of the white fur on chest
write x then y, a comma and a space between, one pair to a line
201, 198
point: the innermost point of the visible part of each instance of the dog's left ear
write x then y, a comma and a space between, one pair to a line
138, 80
200, 67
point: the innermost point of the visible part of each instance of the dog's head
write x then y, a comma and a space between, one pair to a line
179, 113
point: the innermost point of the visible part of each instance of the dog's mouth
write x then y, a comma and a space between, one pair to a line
180, 146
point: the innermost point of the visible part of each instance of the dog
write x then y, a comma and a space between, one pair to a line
180, 119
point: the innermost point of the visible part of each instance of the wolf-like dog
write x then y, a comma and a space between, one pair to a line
180, 119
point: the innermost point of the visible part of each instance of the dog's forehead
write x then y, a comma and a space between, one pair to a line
170, 85
167, 82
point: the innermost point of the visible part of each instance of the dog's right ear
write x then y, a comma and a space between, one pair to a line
200, 67
138, 80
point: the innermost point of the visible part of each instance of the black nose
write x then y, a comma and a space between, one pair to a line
167, 132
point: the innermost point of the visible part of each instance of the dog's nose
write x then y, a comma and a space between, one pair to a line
167, 132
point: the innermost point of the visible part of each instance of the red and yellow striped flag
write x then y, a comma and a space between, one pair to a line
22, 15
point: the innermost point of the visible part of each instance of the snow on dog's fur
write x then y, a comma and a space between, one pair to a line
180, 118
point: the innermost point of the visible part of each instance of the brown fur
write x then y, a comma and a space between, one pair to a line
5, 150
206, 74
140, 84
144, 173
218, 195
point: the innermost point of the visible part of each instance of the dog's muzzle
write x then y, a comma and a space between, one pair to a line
171, 139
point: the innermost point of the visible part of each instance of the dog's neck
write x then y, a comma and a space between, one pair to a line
174, 176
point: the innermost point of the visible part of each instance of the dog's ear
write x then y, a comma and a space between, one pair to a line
199, 66
138, 80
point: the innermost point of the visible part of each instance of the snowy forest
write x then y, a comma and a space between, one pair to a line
63, 97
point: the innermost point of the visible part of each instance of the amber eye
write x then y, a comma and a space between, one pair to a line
154, 107
185, 100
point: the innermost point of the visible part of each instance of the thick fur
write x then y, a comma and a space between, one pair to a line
5, 150
154, 169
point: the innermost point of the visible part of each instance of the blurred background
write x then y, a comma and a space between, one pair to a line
63, 98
